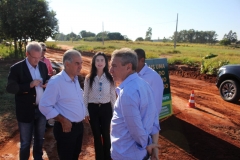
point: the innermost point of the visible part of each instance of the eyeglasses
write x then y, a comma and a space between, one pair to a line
37, 58
100, 86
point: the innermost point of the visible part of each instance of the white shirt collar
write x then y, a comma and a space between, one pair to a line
29, 65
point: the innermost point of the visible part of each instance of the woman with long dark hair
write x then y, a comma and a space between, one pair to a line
99, 98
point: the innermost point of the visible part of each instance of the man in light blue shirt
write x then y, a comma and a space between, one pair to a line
63, 101
135, 119
151, 77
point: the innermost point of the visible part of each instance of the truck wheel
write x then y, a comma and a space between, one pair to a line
230, 90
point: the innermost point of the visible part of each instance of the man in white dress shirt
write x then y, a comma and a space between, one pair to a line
152, 77
63, 101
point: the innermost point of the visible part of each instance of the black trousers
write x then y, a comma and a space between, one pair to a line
100, 119
68, 144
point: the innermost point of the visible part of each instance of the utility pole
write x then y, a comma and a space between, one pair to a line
102, 33
175, 36
71, 35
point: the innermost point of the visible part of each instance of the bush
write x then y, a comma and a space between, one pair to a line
89, 39
139, 39
211, 67
185, 61
174, 52
6, 51
225, 42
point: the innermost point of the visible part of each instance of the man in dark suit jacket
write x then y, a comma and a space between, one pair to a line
27, 80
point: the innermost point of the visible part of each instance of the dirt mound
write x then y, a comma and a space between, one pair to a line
178, 70
191, 72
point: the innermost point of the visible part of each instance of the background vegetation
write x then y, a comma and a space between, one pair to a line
7, 103
211, 57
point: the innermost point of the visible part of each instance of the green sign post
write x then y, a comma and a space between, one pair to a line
160, 65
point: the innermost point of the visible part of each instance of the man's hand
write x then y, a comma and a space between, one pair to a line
35, 83
151, 147
54, 72
87, 118
44, 86
154, 155
66, 124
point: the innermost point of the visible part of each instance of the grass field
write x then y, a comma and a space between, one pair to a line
183, 52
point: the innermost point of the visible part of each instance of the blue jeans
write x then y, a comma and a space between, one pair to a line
35, 128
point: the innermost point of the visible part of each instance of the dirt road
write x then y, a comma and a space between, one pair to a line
209, 131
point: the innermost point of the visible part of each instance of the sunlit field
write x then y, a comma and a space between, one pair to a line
185, 53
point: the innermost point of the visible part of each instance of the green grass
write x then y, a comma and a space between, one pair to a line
209, 57
7, 102
185, 53
6, 52
190, 53
52, 45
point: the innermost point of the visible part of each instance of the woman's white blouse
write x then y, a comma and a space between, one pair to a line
102, 91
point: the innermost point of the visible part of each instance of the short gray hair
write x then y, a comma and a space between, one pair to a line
69, 54
127, 55
33, 46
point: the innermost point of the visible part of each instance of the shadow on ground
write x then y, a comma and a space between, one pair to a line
197, 142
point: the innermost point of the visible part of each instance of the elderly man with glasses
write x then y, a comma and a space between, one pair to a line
27, 80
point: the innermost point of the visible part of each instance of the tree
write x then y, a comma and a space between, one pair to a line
102, 35
27, 19
139, 39
85, 34
1, 33
164, 40
148, 34
193, 36
115, 36
231, 36
211, 37
60, 37
225, 42
126, 38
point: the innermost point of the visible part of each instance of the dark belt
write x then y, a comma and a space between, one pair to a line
99, 104
73, 123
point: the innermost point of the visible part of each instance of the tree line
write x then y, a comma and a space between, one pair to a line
195, 36
32, 20
90, 36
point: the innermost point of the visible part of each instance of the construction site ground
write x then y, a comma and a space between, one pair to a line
211, 130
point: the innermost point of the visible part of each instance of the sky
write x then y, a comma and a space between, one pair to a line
133, 17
